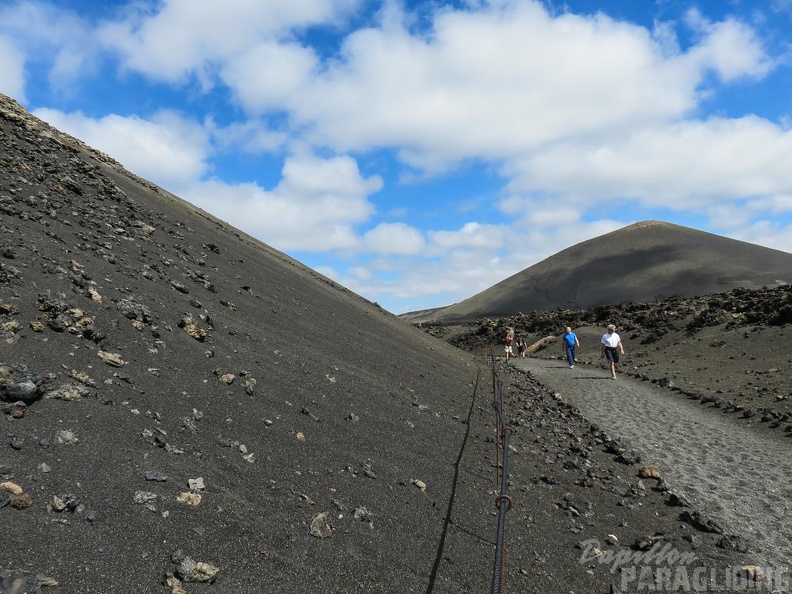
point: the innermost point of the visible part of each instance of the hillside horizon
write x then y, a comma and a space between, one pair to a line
641, 262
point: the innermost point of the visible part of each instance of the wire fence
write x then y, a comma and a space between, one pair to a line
503, 501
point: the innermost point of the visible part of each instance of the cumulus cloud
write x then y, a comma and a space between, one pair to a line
731, 48
252, 136
49, 34
269, 74
497, 82
535, 213
410, 285
12, 70
682, 165
736, 216
168, 149
470, 235
177, 39
394, 238
767, 233
491, 82
315, 207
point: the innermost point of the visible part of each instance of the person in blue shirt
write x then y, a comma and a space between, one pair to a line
570, 343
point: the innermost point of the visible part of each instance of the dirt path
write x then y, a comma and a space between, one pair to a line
738, 476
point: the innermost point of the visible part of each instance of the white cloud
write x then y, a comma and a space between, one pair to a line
252, 136
498, 82
269, 74
182, 38
360, 272
534, 212
454, 276
490, 83
502, 81
471, 234
774, 204
735, 215
432, 284
666, 37
394, 238
46, 33
680, 166
168, 149
766, 233
12, 70
730, 47
315, 207
332, 179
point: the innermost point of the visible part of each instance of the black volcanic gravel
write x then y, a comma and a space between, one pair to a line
187, 409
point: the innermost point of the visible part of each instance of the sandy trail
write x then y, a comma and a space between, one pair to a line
737, 475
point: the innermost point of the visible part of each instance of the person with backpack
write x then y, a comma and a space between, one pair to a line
522, 346
570, 343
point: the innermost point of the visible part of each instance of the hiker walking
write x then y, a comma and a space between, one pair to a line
611, 347
507, 343
570, 343
522, 346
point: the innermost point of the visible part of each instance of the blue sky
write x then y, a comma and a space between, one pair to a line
420, 152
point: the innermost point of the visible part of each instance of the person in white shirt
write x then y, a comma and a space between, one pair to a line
507, 343
611, 347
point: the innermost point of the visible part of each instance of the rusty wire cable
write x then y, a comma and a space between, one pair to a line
503, 501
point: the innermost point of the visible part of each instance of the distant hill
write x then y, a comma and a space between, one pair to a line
641, 262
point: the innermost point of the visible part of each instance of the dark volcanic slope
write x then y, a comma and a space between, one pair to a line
226, 361
197, 402
642, 262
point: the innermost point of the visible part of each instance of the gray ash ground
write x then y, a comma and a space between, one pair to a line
187, 409
712, 461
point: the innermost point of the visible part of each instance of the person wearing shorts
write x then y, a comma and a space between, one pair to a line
611, 348
507, 344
